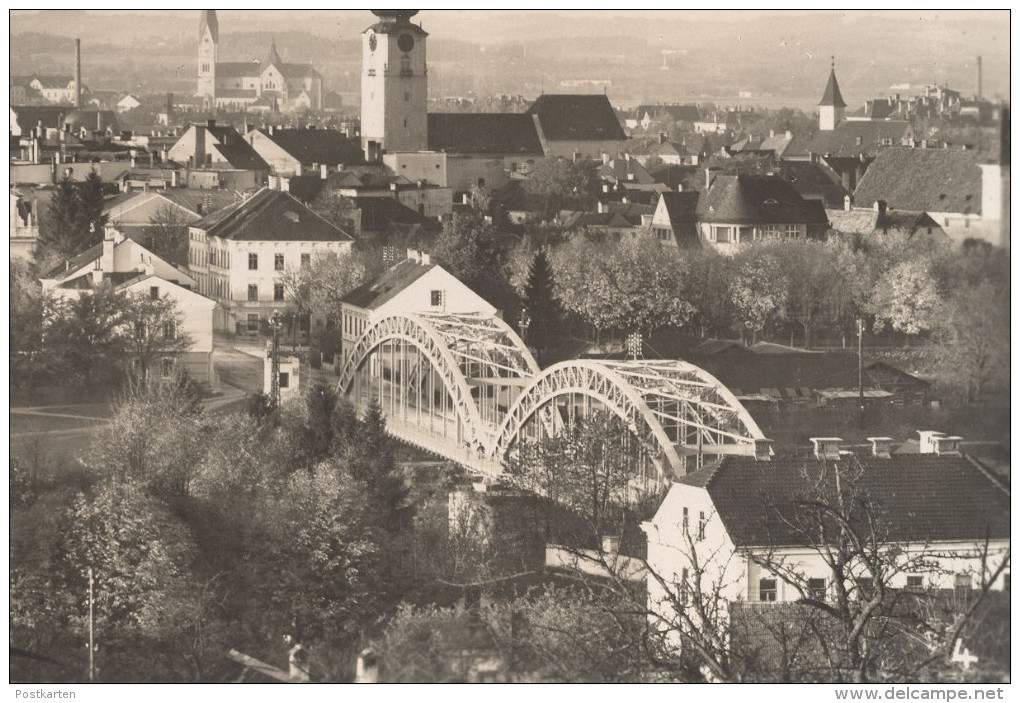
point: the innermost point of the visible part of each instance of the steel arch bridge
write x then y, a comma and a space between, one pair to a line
467, 388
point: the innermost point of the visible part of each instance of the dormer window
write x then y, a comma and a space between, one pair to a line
771, 201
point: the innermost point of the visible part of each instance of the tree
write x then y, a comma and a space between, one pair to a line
707, 274
558, 183
370, 458
166, 236
906, 297
758, 289
475, 251
152, 331
314, 292
84, 342
337, 209
540, 303
811, 274
971, 342
27, 307
73, 220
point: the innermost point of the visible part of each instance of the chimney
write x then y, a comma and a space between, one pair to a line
297, 169
848, 202
605, 158
709, 173
827, 447
605, 187
772, 133
210, 123
662, 137
426, 259
576, 157
880, 207
368, 667
173, 178
77, 74
881, 447
931, 442
414, 255
393, 187
611, 545
602, 208
465, 198
859, 140
323, 171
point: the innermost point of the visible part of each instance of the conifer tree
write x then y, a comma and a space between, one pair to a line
540, 303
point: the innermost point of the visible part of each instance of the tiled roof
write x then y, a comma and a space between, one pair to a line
237, 69
383, 289
297, 71
682, 113
812, 180
581, 117
483, 133
681, 209
747, 199
919, 498
933, 180
832, 96
53, 81
29, 116
208, 19
322, 146
851, 138
70, 265
379, 213
270, 215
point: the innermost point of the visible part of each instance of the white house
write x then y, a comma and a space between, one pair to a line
238, 254
128, 103
132, 213
414, 285
196, 323
741, 512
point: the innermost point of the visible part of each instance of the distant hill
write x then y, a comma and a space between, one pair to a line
778, 58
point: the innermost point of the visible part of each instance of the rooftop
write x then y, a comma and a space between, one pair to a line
752, 199
270, 215
387, 286
483, 133
933, 180
582, 117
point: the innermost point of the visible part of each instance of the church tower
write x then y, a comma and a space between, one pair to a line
394, 83
831, 109
208, 40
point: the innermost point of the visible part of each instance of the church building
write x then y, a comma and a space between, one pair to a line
268, 84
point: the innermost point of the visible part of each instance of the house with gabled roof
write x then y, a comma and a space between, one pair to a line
295, 151
585, 125
415, 285
239, 254
741, 527
674, 222
945, 183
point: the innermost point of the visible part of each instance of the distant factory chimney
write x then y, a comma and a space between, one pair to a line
979, 77
77, 74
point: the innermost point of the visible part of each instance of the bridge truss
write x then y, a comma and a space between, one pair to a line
466, 387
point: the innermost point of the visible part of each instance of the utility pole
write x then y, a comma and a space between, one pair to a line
92, 646
860, 369
274, 392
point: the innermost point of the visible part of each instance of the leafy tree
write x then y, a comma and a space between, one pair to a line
27, 307
475, 251
371, 460
166, 236
759, 289
84, 339
707, 270
540, 303
337, 209
906, 297
811, 273
559, 183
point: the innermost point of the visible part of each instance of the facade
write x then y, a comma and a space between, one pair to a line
411, 286
287, 86
217, 156
743, 512
238, 255
132, 213
674, 222
394, 83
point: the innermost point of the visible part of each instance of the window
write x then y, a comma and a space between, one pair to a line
767, 590
284, 379
436, 298
169, 330
278, 262
278, 291
154, 292
766, 232
792, 232
723, 234
253, 262
306, 260
253, 322
168, 367
915, 583
253, 291
701, 525
816, 589
962, 584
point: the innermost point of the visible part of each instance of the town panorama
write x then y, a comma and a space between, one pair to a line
422, 346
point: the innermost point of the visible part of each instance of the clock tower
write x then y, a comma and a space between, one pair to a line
394, 83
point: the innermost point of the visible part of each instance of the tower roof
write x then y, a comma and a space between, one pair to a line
395, 15
207, 18
832, 96
272, 58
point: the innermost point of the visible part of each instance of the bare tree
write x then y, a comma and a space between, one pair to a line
167, 234
152, 331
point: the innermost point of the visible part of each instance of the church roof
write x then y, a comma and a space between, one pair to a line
273, 57
582, 117
483, 133
854, 137
207, 19
237, 69
832, 96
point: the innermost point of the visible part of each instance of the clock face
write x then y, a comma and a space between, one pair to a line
405, 42
372, 42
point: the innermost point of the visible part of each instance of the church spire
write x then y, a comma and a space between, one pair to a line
832, 96
273, 57
207, 20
